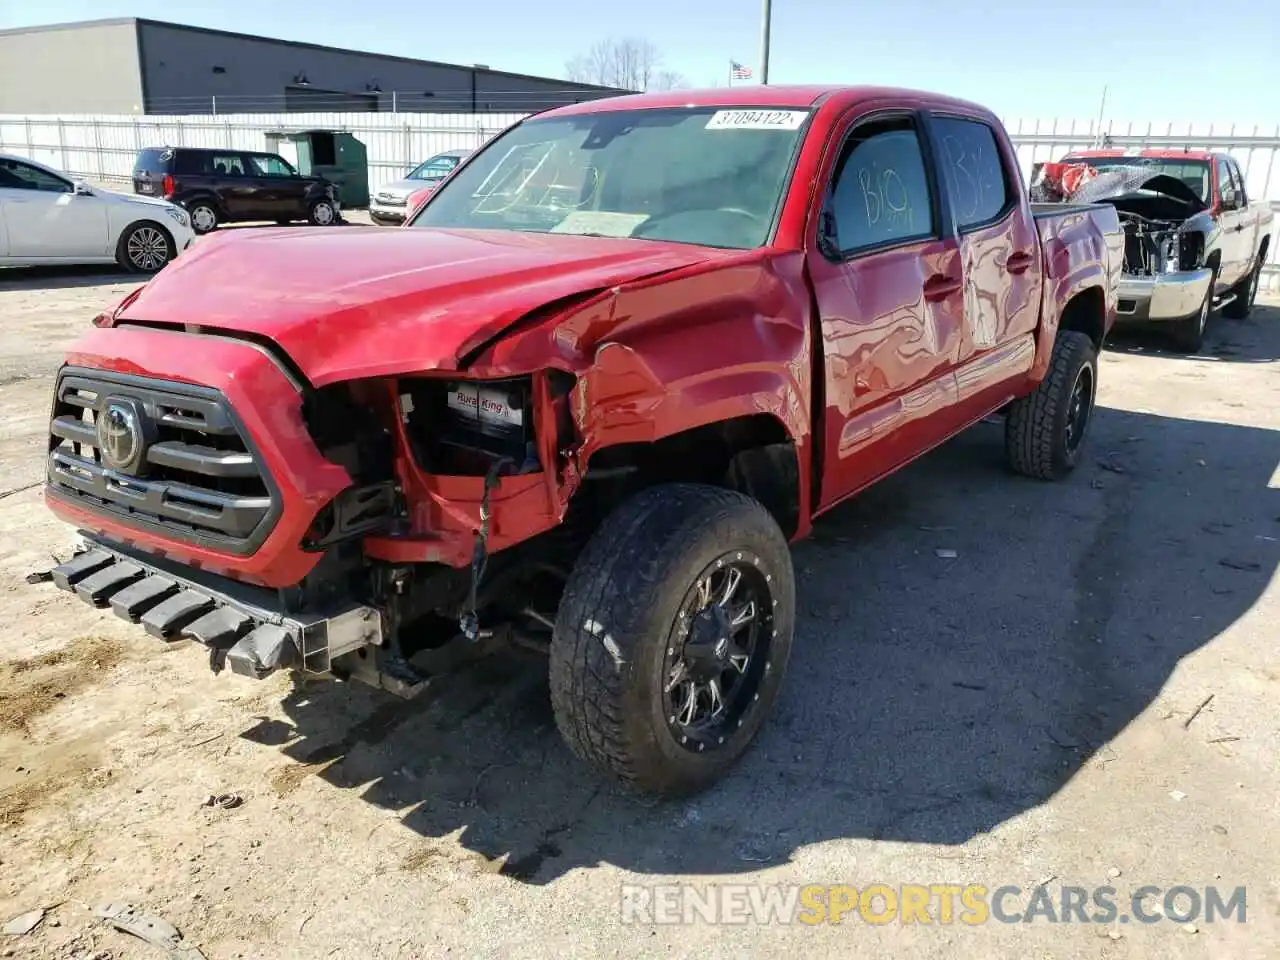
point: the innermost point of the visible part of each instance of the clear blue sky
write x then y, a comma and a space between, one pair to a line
1172, 60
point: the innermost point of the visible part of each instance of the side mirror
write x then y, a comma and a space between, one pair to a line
83, 190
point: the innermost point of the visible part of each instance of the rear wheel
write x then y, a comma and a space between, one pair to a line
1045, 430
1246, 292
145, 248
673, 637
204, 216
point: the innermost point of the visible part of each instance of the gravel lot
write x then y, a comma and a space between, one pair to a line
1022, 712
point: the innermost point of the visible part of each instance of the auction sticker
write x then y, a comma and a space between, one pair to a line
756, 120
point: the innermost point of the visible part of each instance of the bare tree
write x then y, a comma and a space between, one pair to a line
629, 63
668, 80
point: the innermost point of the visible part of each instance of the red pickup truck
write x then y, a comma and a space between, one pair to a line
582, 401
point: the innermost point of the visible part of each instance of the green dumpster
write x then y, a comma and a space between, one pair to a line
336, 156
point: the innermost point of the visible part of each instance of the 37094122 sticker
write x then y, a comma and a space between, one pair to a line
756, 120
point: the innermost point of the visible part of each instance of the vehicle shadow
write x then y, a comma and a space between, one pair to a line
930, 697
65, 277
1227, 340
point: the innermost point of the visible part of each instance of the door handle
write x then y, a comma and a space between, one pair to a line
1238, 228
940, 286
1019, 262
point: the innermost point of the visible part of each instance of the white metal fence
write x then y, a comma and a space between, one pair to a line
104, 147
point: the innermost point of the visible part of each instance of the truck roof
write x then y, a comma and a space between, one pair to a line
781, 96
1152, 154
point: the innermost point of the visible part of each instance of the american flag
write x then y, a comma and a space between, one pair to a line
738, 71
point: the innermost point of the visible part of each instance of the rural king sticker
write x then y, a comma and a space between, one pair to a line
756, 120
491, 405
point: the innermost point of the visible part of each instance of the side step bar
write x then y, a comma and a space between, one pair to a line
254, 641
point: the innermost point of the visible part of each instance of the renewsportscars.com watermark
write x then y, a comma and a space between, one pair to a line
937, 903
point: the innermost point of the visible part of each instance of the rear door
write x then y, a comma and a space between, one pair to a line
887, 281
1000, 256
233, 180
1250, 218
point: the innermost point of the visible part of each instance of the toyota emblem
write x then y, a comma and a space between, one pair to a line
120, 436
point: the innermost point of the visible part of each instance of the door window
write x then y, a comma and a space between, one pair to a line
190, 163
880, 195
977, 180
1226, 186
17, 175
1238, 177
271, 166
228, 165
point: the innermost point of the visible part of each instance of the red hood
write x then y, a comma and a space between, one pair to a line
348, 302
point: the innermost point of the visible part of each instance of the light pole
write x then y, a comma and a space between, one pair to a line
764, 42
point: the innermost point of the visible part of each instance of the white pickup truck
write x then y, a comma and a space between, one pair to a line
1194, 240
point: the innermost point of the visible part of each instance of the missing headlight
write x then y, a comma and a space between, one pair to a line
460, 428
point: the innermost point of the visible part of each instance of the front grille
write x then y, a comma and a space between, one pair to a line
170, 458
391, 200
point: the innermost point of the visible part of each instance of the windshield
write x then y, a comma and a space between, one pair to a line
1194, 173
689, 175
437, 168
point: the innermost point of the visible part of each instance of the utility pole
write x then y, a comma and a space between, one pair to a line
764, 42
1102, 110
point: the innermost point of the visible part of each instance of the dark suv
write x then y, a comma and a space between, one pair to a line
222, 186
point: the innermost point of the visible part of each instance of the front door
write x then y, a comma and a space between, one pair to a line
1231, 222
45, 217
283, 191
889, 288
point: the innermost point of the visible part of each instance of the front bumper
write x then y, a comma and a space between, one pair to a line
243, 627
1165, 297
382, 213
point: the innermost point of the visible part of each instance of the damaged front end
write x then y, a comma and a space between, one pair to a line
1165, 276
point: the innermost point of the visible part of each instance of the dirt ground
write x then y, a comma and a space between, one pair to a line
1025, 711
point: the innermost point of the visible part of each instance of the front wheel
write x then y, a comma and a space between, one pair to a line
673, 637
1045, 430
1188, 333
145, 248
322, 213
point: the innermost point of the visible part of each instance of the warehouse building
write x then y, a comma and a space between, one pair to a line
149, 67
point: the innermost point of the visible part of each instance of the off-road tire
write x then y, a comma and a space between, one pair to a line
616, 619
1188, 333
1246, 292
1035, 432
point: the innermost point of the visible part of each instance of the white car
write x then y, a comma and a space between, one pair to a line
388, 205
48, 218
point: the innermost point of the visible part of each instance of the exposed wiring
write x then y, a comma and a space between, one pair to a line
469, 622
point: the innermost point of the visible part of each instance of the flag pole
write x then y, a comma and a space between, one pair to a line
731, 72
766, 16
